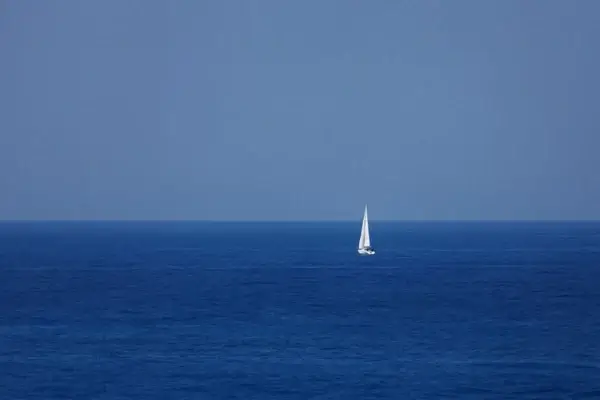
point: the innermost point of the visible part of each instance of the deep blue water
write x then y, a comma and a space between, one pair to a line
290, 311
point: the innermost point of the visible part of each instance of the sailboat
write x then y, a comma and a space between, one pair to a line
364, 243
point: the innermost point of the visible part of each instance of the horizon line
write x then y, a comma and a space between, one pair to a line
298, 220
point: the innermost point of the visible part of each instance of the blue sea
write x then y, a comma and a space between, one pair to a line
198, 310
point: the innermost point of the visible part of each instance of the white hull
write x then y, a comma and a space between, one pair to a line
366, 252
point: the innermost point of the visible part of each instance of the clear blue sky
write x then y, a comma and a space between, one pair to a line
275, 109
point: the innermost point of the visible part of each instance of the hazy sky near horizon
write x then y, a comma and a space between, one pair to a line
275, 109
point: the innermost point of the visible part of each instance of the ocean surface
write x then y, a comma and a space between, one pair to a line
191, 310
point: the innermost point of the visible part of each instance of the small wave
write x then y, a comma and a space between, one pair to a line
530, 365
591, 394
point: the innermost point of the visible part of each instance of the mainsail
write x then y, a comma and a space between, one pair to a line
365, 239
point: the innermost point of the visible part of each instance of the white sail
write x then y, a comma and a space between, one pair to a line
365, 239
